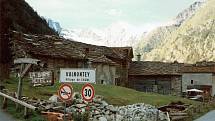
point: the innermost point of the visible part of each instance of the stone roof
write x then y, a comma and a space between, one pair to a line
103, 59
124, 52
155, 68
200, 67
53, 46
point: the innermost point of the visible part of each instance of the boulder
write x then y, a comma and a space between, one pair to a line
102, 118
54, 98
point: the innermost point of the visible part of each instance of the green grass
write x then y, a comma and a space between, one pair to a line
114, 95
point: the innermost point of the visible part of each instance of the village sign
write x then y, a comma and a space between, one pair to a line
77, 75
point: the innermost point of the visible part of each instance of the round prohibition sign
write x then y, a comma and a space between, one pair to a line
87, 92
65, 92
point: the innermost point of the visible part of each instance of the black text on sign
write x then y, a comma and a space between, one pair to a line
88, 92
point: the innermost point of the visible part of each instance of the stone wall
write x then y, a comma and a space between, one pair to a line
198, 79
122, 73
213, 84
176, 85
158, 84
105, 74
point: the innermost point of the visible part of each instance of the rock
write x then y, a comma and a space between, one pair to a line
119, 117
104, 103
102, 119
136, 118
139, 112
80, 105
79, 101
99, 110
54, 98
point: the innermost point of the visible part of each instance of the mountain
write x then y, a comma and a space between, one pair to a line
118, 34
193, 41
156, 37
54, 25
187, 13
19, 16
153, 39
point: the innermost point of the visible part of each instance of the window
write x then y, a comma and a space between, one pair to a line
102, 81
156, 82
191, 81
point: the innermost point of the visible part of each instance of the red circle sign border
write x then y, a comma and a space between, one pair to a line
61, 86
88, 100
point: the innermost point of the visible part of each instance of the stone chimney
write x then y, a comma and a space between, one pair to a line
138, 57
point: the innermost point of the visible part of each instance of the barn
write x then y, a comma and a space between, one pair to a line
55, 52
158, 77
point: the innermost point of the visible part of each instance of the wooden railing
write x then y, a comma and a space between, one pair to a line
17, 102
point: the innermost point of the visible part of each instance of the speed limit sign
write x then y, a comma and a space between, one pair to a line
88, 92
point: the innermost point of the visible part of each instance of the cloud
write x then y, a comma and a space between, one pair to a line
114, 12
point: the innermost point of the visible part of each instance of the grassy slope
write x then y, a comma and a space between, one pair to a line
113, 94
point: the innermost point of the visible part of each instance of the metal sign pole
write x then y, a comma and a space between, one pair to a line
65, 94
64, 111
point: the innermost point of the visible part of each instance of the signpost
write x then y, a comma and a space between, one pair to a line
88, 92
65, 94
77, 75
23, 70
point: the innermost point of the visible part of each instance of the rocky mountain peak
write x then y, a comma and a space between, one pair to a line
54, 25
187, 13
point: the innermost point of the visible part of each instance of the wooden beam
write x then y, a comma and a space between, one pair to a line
26, 61
27, 68
22, 74
19, 102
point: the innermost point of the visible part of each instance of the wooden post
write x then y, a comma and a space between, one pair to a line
19, 91
22, 73
25, 112
4, 103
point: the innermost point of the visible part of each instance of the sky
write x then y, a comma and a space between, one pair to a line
79, 14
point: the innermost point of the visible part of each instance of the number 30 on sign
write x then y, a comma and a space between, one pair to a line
88, 92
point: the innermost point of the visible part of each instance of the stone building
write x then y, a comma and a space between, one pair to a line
199, 76
55, 52
159, 77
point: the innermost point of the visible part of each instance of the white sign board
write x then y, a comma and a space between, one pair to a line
41, 78
78, 75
